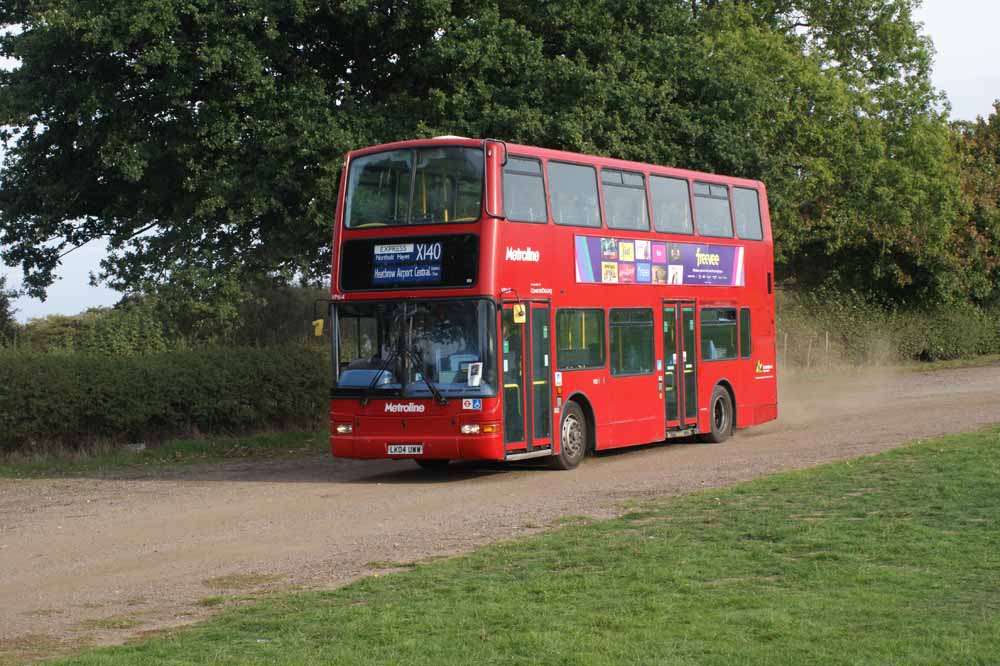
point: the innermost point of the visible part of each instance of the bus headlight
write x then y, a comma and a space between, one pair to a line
479, 428
344, 429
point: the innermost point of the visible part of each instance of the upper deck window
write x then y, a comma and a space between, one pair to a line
671, 205
625, 199
524, 190
711, 206
573, 190
415, 186
747, 206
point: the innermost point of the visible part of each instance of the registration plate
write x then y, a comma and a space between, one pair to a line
406, 449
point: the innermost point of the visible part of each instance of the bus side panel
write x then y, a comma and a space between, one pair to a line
591, 385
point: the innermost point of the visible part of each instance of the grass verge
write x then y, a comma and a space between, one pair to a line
891, 559
173, 452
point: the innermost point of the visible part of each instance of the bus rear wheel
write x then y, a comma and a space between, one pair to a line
721, 410
572, 438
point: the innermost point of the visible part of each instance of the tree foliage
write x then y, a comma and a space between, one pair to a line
191, 311
201, 140
978, 235
8, 324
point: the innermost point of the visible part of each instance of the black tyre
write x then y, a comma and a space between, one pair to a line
432, 465
721, 410
573, 437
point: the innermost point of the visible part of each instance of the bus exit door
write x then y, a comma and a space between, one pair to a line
527, 375
680, 365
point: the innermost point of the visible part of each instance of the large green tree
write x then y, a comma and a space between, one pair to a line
8, 324
978, 234
204, 137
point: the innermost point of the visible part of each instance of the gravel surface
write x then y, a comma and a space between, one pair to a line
101, 558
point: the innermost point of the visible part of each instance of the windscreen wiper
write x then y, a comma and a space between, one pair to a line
438, 396
389, 359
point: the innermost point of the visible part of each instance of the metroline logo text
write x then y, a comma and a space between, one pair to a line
527, 254
407, 408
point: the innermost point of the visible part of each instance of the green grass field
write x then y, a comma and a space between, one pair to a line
892, 559
170, 453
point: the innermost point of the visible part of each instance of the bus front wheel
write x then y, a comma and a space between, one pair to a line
572, 438
721, 411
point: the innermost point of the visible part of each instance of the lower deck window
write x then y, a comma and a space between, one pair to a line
718, 334
580, 339
631, 336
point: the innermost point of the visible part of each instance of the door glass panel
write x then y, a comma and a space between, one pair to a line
540, 372
513, 379
689, 360
670, 361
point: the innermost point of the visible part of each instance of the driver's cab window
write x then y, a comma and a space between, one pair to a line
358, 341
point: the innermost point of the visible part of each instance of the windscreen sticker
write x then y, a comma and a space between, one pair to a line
619, 261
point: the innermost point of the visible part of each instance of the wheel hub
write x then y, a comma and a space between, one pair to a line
572, 436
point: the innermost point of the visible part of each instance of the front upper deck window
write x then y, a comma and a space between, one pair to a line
415, 186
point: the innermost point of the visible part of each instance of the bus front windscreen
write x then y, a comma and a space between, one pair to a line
415, 186
396, 348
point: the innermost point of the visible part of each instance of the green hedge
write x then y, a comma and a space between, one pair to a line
821, 328
77, 399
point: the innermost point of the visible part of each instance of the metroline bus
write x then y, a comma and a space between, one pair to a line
493, 301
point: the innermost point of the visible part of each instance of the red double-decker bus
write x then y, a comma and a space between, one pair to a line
494, 301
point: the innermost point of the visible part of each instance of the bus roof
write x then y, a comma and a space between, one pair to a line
521, 150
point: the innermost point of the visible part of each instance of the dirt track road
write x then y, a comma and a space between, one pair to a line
76, 552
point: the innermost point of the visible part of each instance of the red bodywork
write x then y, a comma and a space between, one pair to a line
625, 410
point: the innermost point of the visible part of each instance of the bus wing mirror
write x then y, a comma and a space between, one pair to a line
496, 157
520, 314
318, 322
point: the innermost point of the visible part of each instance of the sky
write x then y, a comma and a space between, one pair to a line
965, 67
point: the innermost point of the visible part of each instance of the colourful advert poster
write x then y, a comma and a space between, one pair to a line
656, 262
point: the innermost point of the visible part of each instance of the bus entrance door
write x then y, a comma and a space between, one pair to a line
527, 380
680, 370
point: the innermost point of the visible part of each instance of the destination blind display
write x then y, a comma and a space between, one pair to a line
407, 263
418, 261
